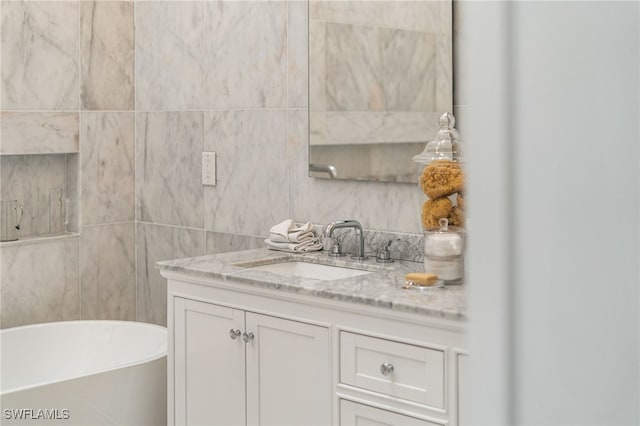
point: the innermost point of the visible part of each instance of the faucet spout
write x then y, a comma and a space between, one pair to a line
349, 223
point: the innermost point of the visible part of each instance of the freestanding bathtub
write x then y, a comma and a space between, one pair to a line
84, 373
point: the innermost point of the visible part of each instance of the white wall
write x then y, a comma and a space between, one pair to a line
564, 101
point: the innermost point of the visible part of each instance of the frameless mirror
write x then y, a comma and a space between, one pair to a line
380, 76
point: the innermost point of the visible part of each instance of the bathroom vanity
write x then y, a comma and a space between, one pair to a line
258, 337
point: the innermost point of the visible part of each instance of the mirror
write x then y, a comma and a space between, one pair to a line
380, 76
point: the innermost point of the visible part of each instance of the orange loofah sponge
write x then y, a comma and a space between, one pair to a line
456, 217
434, 210
441, 178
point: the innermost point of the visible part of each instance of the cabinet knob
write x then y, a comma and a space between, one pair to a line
247, 337
386, 369
234, 333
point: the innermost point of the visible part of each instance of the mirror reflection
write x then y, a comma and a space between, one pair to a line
380, 76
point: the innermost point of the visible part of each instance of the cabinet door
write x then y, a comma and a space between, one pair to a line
288, 379
352, 414
209, 364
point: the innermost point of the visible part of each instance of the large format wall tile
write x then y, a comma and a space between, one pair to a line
252, 190
405, 208
321, 200
354, 68
246, 54
39, 282
40, 55
107, 55
219, 242
36, 181
169, 56
155, 243
409, 70
428, 16
297, 54
108, 185
317, 67
39, 132
108, 272
168, 177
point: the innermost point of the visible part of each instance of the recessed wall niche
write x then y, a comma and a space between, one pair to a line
45, 186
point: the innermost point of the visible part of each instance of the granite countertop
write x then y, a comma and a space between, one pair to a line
383, 288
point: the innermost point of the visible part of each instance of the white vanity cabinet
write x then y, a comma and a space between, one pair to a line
311, 360
233, 367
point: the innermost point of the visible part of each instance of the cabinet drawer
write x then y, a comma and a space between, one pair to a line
410, 372
352, 414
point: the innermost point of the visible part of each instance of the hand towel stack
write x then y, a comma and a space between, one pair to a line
287, 236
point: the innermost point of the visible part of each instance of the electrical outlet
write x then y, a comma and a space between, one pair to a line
209, 168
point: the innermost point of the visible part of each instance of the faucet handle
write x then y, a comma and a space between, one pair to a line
336, 248
384, 255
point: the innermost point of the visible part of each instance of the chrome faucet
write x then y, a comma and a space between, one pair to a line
337, 224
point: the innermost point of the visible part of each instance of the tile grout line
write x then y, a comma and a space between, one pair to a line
288, 102
78, 201
135, 171
204, 144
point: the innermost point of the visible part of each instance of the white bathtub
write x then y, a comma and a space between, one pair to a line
83, 373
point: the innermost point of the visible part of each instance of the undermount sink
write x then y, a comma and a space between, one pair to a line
310, 270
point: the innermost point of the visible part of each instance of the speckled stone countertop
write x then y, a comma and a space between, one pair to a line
382, 288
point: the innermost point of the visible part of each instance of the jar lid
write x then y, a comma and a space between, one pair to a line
445, 146
445, 229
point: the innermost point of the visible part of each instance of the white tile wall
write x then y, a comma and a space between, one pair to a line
107, 265
107, 55
155, 243
252, 190
42, 293
168, 177
40, 55
108, 163
170, 55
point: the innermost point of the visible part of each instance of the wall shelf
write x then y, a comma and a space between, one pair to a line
40, 239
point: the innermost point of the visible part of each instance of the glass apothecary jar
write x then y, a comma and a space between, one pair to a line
442, 181
444, 252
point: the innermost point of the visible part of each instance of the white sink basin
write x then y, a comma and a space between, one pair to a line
310, 270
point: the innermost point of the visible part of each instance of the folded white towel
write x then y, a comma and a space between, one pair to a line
301, 232
312, 244
280, 232
298, 237
288, 232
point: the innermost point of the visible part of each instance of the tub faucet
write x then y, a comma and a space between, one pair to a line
350, 223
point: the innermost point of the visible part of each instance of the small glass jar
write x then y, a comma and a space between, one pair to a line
442, 182
444, 252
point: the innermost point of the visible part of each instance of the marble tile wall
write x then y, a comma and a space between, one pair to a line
39, 133
40, 55
107, 55
169, 149
252, 110
107, 268
154, 243
68, 124
147, 92
40, 282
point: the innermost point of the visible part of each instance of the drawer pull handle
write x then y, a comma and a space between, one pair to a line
247, 337
386, 369
234, 333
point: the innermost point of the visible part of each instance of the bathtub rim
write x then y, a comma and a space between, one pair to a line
150, 358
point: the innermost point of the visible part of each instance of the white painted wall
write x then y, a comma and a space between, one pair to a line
480, 45
555, 320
